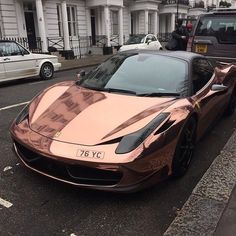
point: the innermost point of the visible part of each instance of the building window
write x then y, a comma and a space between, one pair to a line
72, 20
115, 22
59, 17
72, 23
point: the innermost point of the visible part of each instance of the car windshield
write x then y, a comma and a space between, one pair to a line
135, 39
221, 27
139, 74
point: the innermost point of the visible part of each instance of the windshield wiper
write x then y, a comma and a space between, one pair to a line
110, 90
172, 94
115, 90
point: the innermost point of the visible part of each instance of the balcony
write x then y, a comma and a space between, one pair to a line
171, 2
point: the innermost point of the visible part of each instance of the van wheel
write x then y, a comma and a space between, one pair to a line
46, 71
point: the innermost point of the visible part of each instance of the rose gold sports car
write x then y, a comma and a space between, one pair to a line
129, 123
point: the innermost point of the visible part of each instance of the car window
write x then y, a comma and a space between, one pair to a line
9, 49
141, 73
202, 72
221, 27
154, 38
149, 37
23, 50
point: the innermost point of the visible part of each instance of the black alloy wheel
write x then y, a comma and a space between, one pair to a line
184, 149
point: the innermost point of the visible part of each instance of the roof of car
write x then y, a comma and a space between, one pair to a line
183, 55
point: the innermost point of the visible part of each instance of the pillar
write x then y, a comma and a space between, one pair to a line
41, 25
155, 23
146, 21
65, 25
121, 31
88, 21
172, 27
107, 24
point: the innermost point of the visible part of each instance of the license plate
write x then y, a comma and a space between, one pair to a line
90, 154
201, 48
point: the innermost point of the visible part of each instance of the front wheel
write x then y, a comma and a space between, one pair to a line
184, 149
46, 71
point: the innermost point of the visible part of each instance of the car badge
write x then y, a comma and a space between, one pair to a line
57, 134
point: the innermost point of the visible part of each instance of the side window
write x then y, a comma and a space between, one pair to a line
202, 72
154, 38
23, 50
148, 38
9, 49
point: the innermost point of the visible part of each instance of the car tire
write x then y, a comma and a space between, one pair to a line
161, 48
231, 105
46, 71
184, 149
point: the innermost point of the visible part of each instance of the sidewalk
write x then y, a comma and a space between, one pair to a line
211, 208
92, 60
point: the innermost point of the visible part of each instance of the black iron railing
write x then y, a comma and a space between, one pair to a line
33, 45
164, 37
56, 42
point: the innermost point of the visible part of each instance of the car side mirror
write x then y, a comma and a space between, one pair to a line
80, 74
219, 88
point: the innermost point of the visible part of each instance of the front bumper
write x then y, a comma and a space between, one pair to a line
34, 151
57, 66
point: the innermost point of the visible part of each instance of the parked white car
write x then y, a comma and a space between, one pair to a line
142, 41
16, 62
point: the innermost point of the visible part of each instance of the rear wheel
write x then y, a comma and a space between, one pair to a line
46, 71
184, 149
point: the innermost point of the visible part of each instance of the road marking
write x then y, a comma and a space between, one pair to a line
33, 83
5, 203
15, 105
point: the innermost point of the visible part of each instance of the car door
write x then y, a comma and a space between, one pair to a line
18, 62
210, 103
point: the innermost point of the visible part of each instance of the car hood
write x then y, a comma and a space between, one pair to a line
69, 113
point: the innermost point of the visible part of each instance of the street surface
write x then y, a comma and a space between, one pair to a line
42, 206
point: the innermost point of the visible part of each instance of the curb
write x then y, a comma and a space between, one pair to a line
77, 67
203, 209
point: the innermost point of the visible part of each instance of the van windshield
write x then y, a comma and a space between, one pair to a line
221, 27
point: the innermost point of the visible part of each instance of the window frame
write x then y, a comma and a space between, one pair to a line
207, 83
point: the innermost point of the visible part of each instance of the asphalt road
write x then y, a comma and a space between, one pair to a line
43, 206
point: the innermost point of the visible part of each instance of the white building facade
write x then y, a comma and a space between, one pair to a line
86, 24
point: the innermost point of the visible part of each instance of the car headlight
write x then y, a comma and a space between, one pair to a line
23, 114
131, 141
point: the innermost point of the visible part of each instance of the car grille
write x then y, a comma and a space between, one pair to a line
77, 174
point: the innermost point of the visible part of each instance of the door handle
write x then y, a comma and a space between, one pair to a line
6, 59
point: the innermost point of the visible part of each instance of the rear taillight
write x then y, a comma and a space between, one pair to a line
190, 44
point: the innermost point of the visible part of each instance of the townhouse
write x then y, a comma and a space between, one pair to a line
78, 27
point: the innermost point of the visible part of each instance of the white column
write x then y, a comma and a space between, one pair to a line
121, 31
107, 24
41, 25
172, 22
155, 23
137, 22
65, 26
88, 21
146, 21
129, 21
158, 23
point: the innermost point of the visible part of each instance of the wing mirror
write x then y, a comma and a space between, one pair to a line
219, 88
80, 74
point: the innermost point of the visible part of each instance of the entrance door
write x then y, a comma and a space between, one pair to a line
29, 20
93, 27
